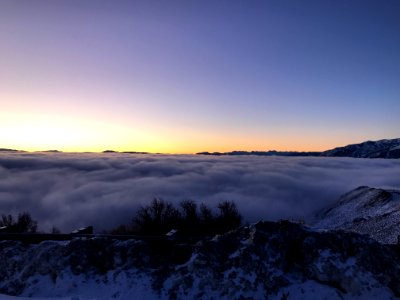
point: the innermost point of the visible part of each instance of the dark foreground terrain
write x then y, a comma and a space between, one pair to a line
350, 252
267, 260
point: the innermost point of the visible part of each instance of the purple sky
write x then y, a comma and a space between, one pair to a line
188, 76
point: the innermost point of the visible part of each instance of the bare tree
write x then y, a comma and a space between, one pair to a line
24, 223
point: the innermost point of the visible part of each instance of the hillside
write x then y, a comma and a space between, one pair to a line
274, 260
365, 210
369, 149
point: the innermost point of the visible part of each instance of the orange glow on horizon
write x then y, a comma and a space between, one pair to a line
41, 132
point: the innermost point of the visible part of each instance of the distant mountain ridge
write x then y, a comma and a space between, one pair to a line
369, 149
8, 150
263, 153
388, 148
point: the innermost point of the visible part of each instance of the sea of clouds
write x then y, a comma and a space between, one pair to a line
74, 190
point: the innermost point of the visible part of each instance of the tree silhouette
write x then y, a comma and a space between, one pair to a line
159, 217
229, 217
207, 220
24, 223
189, 223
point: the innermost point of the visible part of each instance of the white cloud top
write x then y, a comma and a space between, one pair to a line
104, 190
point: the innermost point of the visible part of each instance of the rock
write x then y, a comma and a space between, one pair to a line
365, 210
263, 260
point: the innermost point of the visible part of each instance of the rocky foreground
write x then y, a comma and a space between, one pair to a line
267, 260
365, 210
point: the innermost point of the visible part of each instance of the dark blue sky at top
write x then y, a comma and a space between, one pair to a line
249, 67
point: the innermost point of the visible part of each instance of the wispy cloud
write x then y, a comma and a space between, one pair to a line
72, 190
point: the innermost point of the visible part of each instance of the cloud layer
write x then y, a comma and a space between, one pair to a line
73, 190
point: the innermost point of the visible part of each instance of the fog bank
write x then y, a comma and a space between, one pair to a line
73, 190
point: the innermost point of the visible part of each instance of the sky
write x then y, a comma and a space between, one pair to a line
190, 76
73, 190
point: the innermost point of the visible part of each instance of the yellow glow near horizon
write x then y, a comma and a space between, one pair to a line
79, 79
38, 132
33, 132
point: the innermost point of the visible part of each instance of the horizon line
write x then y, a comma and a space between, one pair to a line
110, 150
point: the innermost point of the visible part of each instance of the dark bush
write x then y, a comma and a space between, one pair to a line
207, 220
24, 224
189, 222
7, 221
160, 217
157, 218
228, 217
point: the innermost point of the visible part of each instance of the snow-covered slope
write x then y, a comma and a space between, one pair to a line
365, 210
267, 260
369, 149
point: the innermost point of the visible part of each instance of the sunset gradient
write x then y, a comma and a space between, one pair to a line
190, 76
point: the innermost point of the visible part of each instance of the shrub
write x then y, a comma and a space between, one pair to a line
189, 222
24, 223
156, 218
228, 217
159, 217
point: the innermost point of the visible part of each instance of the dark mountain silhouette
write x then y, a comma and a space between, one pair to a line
370, 149
8, 150
263, 153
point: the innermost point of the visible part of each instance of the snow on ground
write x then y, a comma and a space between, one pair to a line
365, 210
313, 290
6, 297
114, 285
